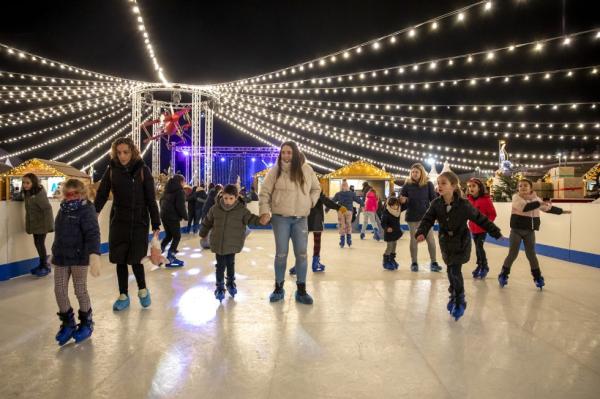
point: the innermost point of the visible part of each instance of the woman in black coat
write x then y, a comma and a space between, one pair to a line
133, 211
172, 211
191, 206
315, 222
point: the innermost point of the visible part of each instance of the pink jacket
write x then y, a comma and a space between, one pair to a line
371, 202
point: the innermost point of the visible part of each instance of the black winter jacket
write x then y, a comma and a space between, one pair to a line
77, 236
172, 203
454, 236
419, 198
389, 220
210, 201
200, 197
134, 209
316, 217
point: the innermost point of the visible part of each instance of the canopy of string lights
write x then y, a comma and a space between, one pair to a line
445, 89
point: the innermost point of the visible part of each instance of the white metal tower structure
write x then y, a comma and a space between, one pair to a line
208, 141
155, 143
196, 135
204, 99
136, 116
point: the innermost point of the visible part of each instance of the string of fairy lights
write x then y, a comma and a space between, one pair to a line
338, 117
442, 125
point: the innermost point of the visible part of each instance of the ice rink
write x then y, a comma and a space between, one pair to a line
371, 333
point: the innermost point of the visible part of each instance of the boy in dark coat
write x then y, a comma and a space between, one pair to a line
227, 219
390, 222
172, 211
452, 213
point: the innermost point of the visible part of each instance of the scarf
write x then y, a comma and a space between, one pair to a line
227, 207
71, 206
394, 212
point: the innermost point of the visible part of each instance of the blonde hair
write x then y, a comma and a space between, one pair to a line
453, 179
74, 184
424, 178
135, 152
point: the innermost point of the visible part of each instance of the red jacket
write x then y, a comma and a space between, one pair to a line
483, 204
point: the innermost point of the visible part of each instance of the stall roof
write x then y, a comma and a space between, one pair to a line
43, 167
592, 173
360, 170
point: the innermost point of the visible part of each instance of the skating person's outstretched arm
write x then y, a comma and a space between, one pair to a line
482, 221
329, 204
252, 219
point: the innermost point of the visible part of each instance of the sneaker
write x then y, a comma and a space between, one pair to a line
484, 272
539, 282
435, 267
362, 236
121, 303
414, 267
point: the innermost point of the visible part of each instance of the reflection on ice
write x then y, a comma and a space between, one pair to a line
197, 306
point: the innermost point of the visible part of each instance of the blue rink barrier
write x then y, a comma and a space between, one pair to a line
22, 267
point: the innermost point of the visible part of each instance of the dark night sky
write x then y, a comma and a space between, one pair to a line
210, 42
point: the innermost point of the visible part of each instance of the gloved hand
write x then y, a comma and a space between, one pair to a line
95, 265
343, 210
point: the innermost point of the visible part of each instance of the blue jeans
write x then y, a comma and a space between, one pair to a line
284, 228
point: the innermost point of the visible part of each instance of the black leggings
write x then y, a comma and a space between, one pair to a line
479, 240
172, 232
456, 280
39, 241
123, 277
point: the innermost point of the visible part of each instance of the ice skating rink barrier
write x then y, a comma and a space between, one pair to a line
574, 238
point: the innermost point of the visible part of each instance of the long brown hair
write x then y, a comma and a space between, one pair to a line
36, 187
298, 159
135, 152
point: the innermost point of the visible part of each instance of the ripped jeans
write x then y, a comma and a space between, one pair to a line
284, 228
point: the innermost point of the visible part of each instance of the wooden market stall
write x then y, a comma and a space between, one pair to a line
591, 180
51, 174
356, 173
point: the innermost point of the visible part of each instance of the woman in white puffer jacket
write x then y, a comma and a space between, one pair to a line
288, 193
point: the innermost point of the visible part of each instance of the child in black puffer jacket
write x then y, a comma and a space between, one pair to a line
172, 211
452, 213
76, 246
390, 223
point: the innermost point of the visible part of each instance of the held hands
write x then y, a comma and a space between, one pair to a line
420, 238
95, 265
389, 230
265, 218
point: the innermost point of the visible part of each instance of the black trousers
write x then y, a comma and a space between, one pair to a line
455, 277
225, 262
123, 277
39, 240
479, 240
172, 235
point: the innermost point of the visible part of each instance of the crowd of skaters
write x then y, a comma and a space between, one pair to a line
290, 200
